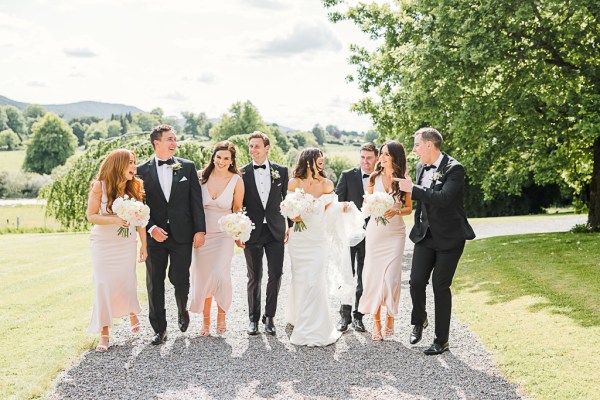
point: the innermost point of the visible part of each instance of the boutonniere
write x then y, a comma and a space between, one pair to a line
176, 167
437, 176
274, 175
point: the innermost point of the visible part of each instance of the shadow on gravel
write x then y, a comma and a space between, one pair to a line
196, 367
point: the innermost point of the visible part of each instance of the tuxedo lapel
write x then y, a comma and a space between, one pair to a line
154, 178
419, 173
359, 182
273, 183
440, 168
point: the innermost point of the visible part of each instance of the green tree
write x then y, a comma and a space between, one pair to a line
79, 131
95, 131
371, 136
243, 118
9, 139
158, 112
3, 119
513, 86
319, 133
32, 113
195, 125
15, 121
280, 138
304, 139
146, 121
52, 143
113, 129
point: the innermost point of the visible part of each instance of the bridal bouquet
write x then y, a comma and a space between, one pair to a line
237, 225
375, 205
133, 211
297, 204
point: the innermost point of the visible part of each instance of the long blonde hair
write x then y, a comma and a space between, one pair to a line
112, 173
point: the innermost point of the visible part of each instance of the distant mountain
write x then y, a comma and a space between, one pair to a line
81, 108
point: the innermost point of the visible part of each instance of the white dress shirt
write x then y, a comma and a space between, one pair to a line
427, 176
365, 181
262, 177
165, 178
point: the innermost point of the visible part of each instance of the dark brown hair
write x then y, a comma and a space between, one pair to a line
221, 146
157, 132
398, 154
259, 135
306, 160
369, 147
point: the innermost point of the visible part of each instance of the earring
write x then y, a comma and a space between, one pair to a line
307, 165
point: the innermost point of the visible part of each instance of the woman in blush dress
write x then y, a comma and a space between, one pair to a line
222, 194
114, 256
382, 271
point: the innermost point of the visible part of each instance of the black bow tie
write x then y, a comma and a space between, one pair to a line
170, 161
428, 167
260, 166
365, 176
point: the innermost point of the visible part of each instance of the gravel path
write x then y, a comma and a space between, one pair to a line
235, 365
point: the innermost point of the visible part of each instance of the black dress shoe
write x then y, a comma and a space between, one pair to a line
436, 349
159, 338
417, 332
358, 325
252, 328
184, 320
342, 324
269, 326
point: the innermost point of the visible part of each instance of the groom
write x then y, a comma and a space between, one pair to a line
351, 187
439, 233
266, 186
176, 222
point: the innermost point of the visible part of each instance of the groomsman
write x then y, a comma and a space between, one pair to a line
176, 222
352, 186
439, 233
266, 186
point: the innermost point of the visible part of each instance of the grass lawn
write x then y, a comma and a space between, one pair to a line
349, 151
46, 299
534, 300
12, 160
31, 219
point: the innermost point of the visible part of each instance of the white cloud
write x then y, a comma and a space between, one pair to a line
269, 4
36, 84
81, 52
305, 37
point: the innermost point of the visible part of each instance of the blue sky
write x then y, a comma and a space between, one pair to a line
183, 55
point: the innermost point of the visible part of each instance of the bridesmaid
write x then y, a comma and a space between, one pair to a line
113, 256
382, 271
210, 271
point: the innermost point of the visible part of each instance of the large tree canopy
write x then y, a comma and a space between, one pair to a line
512, 85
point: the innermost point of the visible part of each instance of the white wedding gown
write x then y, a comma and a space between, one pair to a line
310, 252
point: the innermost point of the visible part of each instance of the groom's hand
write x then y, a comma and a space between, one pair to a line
159, 234
199, 239
405, 184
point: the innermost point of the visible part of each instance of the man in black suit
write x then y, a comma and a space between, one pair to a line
176, 222
440, 231
266, 186
352, 186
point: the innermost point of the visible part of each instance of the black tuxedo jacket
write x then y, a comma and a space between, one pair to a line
184, 211
350, 187
254, 207
443, 203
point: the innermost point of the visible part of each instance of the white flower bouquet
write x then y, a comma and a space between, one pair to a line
375, 205
297, 204
133, 211
237, 225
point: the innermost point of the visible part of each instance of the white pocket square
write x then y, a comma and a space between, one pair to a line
279, 184
183, 179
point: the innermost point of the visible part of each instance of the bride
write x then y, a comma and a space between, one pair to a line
308, 309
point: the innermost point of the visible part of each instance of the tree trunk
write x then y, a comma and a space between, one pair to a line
594, 210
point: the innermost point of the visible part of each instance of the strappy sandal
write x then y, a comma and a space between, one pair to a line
205, 331
376, 334
102, 348
221, 326
389, 331
135, 328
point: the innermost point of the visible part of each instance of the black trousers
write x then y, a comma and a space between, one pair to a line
427, 257
159, 255
357, 257
266, 244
